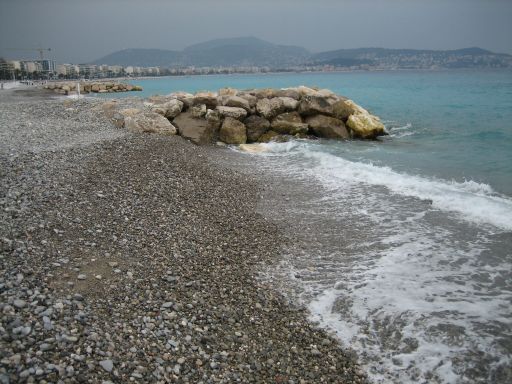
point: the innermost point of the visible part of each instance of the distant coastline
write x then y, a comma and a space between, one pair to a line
252, 56
280, 73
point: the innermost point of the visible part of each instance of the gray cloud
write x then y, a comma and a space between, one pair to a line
81, 31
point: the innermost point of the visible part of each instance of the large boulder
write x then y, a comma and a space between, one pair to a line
289, 123
214, 118
157, 99
264, 93
269, 108
173, 108
188, 102
256, 126
327, 127
233, 131
207, 98
179, 95
109, 108
199, 131
303, 91
150, 122
314, 105
251, 99
198, 111
268, 137
130, 112
234, 112
288, 92
158, 108
327, 93
289, 103
365, 126
238, 102
342, 109
228, 92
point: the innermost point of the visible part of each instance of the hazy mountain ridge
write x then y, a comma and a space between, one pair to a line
143, 57
251, 51
244, 51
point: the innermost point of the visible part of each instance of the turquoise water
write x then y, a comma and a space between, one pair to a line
447, 124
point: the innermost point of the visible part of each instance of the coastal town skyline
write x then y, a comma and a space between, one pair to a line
77, 33
250, 55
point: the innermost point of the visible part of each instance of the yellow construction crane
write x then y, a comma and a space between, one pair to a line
40, 50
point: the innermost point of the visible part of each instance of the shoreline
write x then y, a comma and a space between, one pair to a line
272, 73
115, 260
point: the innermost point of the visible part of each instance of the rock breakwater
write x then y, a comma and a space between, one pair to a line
70, 88
238, 117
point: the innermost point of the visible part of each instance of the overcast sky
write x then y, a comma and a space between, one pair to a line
83, 30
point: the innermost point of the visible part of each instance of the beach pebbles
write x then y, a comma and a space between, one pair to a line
154, 281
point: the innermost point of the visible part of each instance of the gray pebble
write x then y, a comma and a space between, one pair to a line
18, 303
107, 365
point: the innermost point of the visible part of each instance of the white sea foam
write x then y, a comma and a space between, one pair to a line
472, 201
400, 131
401, 134
286, 147
400, 128
420, 285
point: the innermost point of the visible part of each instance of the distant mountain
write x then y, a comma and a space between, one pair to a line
142, 58
251, 51
218, 43
245, 51
242, 51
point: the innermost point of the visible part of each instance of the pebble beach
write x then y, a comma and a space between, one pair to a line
129, 257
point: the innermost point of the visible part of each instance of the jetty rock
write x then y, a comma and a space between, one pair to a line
71, 88
365, 125
289, 123
237, 102
237, 117
150, 122
328, 127
270, 107
234, 112
233, 131
199, 131
314, 105
255, 126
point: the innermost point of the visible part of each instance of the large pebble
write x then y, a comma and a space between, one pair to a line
107, 365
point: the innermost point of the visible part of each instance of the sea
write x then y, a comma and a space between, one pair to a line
405, 249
